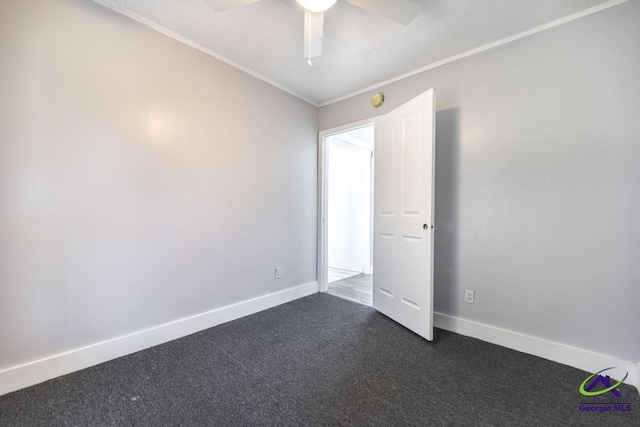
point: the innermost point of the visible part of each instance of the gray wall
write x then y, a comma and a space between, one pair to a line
141, 181
537, 181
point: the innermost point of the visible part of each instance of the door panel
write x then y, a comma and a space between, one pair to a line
384, 161
412, 187
403, 214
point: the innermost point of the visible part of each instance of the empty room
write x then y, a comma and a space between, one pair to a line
319, 212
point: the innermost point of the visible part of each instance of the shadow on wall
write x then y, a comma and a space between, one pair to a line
447, 165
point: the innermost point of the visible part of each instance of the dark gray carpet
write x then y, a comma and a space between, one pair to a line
320, 360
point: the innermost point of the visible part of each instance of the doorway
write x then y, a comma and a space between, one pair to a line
403, 209
348, 197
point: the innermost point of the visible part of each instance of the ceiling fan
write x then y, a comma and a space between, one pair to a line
402, 11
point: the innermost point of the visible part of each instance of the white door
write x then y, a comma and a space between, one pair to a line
403, 214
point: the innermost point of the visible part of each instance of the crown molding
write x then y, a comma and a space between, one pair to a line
590, 11
487, 47
191, 43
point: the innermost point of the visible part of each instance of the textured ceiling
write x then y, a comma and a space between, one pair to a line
360, 49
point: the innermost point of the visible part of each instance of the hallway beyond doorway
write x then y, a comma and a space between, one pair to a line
357, 288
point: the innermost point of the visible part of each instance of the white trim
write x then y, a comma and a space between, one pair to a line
322, 264
562, 353
28, 374
350, 126
178, 37
123, 11
472, 52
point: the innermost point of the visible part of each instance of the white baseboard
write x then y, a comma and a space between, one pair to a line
31, 373
562, 353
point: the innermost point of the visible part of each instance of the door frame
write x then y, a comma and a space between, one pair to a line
322, 265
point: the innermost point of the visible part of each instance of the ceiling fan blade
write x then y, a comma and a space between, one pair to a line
223, 5
313, 31
402, 11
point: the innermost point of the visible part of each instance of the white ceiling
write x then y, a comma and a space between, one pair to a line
360, 49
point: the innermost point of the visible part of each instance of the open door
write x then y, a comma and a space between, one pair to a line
403, 214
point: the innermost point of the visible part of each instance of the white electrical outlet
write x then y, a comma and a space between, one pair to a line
469, 296
278, 272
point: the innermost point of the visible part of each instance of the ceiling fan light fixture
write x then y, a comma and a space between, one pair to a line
316, 5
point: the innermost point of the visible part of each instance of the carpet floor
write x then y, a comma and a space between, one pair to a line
320, 360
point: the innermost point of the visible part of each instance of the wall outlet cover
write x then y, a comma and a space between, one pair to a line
469, 296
